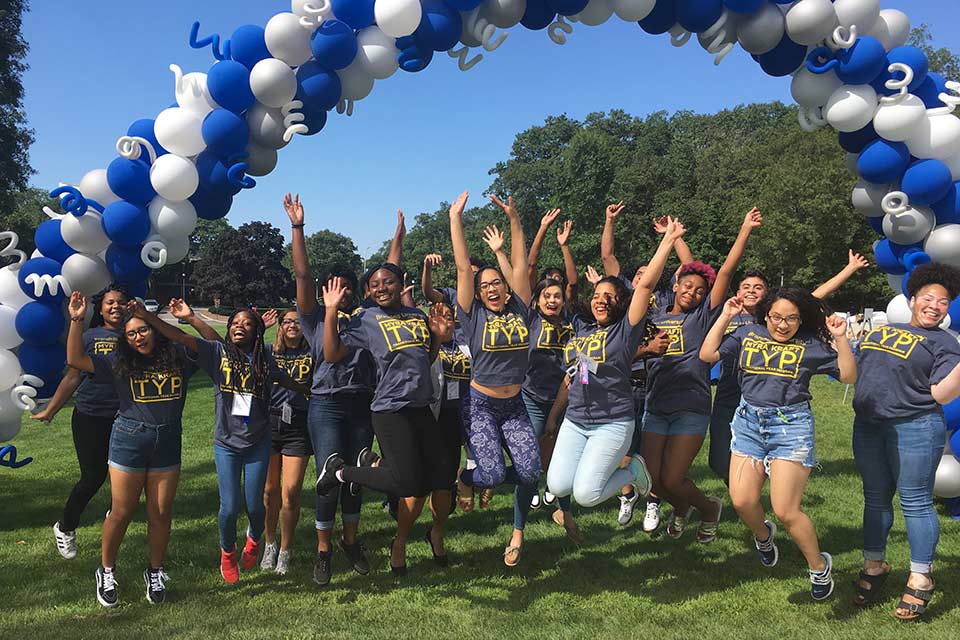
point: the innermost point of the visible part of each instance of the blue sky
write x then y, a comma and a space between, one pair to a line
418, 139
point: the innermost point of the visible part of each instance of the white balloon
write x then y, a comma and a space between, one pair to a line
813, 89
356, 83
260, 160
174, 178
953, 162
851, 107
94, 186
84, 234
868, 198
633, 10
171, 219
892, 28
909, 227
946, 483
938, 137
377, 53
273, 82
898, 310
595, 13
943, 244
862, 13
398, 18
10, 292
895, 281
266, 126
9, 370
86, 274
503, 13
179, 131
900, 121
9, 338
763, 30
193, 94
287, 39
810, 21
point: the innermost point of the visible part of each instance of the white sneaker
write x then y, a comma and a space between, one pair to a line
651, 519
548, 498
641, 476
283, 562
269, 560
535, 501
626, 509
66, 542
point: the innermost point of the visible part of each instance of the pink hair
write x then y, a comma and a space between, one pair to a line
698, 268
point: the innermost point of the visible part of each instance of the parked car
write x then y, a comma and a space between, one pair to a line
151, 305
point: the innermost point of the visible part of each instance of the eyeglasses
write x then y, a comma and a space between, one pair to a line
486, 285
791, 321
287, 323
145, 330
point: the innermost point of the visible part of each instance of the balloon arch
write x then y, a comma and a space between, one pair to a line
851, 69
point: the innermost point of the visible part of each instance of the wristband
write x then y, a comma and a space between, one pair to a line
297, 226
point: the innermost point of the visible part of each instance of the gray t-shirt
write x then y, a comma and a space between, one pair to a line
606, 396
298, 363
399, 342
896, 366
96, 395
678, 380
776, 374
728, 387
450, 299
499, 342
152, 396
546, 368
354, 373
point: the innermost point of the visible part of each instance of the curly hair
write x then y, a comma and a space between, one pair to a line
97, 302
584, 310
238, 360
130, 362
813, 312
698, 268
934, 273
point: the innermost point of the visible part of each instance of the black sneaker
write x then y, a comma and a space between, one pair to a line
821, 582
356, 555
322, 568
327, 480
156, 580
366, 458
107, 588
767, 549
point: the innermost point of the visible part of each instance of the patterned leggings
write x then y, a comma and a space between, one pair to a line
495, 425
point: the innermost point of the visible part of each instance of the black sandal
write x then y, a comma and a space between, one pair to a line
914, 611
400, 571
865, 595
441, 561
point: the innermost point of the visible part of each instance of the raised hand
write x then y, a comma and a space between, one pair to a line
733, 307
77, 306
456, 209
592, 276
494, 238
753, 219
401, 224
407, 288
660, 225
614, 210
432, 260
637, 276
855, 261
269, 318
180, 309
837, 326
136, 308
333, 293
440, 325
563, 233
507, 207
549, 217
675, 229
294, 208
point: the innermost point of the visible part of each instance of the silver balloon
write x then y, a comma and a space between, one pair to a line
943, 244
868, 197
762, 31
909, 227
946, 484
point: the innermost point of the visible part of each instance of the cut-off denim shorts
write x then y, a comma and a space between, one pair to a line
137, 446
774, 433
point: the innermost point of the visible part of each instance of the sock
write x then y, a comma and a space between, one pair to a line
629, 495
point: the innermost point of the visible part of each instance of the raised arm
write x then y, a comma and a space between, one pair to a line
611, 266
430, 261
684, 254
518, 250
846, 361
648, 281
855, 262
168, 331
306, 289
396, 245
548, 219
461, 253
718, 294
406, 295
494, 239
710, 349
569, 265
64, 392
76, 356
333, 293
182, 311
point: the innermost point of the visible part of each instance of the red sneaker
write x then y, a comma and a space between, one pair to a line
251, 551
228, 566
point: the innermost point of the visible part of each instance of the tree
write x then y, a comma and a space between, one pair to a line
942, 60
325, 249
15, 136
25, 215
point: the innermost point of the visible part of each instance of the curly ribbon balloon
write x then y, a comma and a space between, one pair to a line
154, 254
25, 391
345, 106
212, 40
842, 37
719, 39
8, 458
811, 119
952, 101
900, 86
11, 250
130, 147
183, 84
559, 30
483, 30
235, 174
679, 36
895, 203
293, 120
462, 54
824, 59
72, 201
53, 284
316, 14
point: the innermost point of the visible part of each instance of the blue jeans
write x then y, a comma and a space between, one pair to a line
900, 457
339, 423
586, 461
774, 433
523, 494
252, 463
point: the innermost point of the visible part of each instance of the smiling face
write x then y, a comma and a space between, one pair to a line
492, 290
112, 308
385, 288
751, 291
783, 320
604, 297
290, 328
690, 290
243, 329
550, 301
139, 336
930, 306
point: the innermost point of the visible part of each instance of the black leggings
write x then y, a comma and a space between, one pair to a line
720, 436
91, 439
416, 459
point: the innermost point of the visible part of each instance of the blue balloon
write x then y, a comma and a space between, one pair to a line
745, 6
914, 58
139, 289
860, 64
44, 361
697, 16
413, 58
130, 180
211, 204
248, 45
214, 174
926, 181
538, 15
783, 59
879, 85
954, 311
661, 19
930, 89
876, 223
854, 142
144, 129
50, 241
125, 223
315, 122
39, 323
229, 85
356, 13
50, 384
951, 412
911, 259
319, 89
465, 5
37, 269
334, 44
947, 208
887, 258
954, 439
225, 132
883, 162
126, 265
568, 7
440, 26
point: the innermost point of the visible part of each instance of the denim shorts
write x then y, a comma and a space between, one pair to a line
137, 446
774, 433
290, 439
681, 423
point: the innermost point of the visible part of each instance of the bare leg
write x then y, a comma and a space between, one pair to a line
440, 508
747, 477
293, 470
788, 479
125, 489
677, 458
407, 513
271, 498
160, 489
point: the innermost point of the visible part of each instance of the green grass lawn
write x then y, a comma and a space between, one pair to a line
622, 583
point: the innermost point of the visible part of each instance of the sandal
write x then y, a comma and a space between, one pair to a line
511, 556
912, 611
867, 595
707, 531
464, 496
485, 497
573, 531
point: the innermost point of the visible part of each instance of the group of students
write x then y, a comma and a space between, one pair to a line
608, 395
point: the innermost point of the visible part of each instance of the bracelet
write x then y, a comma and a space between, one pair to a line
297, 226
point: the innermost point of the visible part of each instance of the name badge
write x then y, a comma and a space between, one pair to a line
453, 390
464, 349
286, 413
242, 403
582, 368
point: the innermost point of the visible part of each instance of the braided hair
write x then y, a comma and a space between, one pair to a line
258, 363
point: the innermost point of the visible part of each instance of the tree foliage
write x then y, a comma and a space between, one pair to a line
326, 248
942, 60
15, 136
